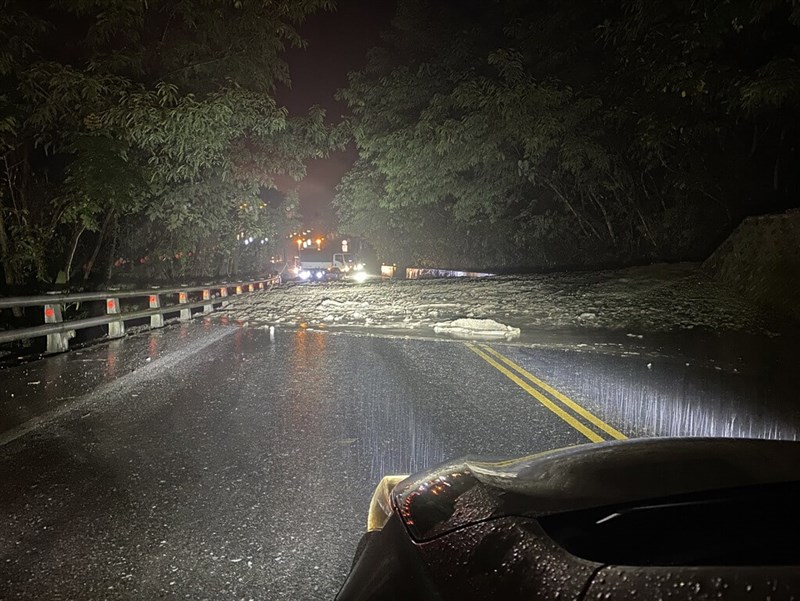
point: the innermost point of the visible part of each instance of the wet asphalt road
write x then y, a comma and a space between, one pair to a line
208, 461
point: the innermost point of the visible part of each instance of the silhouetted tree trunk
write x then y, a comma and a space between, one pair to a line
88, 269
73, 245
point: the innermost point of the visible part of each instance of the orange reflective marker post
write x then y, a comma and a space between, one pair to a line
157, 320
58, 342
116, 329
186, 314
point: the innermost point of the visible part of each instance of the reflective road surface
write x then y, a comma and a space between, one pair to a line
207, 461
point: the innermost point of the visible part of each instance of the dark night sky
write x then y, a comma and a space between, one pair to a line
338, 42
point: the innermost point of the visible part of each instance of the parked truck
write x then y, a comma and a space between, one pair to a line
324, 265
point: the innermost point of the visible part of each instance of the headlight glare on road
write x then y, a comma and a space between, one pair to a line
360, 276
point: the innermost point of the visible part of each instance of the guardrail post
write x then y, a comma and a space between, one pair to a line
116, 329
186, 314
56, 343
157, 320
207, 296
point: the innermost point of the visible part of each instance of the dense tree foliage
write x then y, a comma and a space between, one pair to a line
516, 133
146, 132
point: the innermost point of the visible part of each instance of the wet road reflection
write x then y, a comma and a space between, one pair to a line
210, 461
667, 396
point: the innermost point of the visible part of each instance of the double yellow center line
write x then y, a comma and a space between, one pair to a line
585, 422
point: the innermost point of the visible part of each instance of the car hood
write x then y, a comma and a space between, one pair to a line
456, 494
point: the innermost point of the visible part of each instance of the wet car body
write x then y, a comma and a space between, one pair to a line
641, 519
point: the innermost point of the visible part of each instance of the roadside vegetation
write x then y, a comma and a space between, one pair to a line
517, 134
144, 136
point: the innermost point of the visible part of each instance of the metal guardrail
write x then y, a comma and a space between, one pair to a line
419, 273
59, 332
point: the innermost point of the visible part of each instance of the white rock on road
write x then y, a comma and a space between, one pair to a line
477, 329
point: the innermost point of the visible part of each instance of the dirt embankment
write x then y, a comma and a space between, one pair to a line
761, 259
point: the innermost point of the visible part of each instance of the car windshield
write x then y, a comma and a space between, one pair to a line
256, 256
